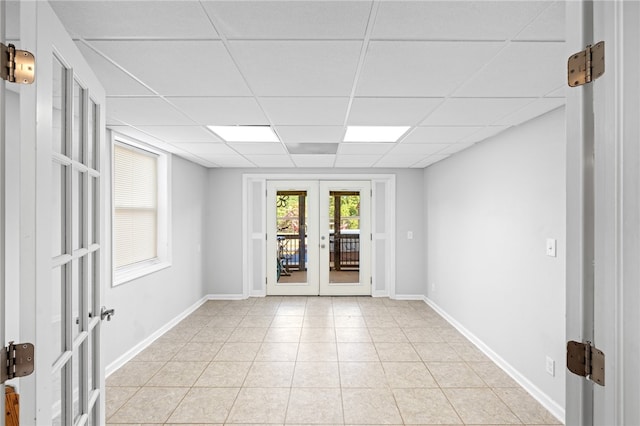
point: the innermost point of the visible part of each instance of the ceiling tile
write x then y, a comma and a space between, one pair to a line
306, 111
531, 111
521, 69
398, 160
255, 148
312, 148
429, 161
177, 134
134, 19
139, 136
390, 111
417, 149
208, 149
290, 19
549, 25
221, 110
228, 160
474, 111
356, 148
356, 160
420, 68
485, 133
150, 62
271, 160
453, 20
313, 160
115, 81
144, 111
298, 68
319, 134
455, 147
440, 134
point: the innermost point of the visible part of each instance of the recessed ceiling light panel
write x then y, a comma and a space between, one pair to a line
245, 133
374, 133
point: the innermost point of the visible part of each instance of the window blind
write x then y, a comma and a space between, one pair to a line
135, 205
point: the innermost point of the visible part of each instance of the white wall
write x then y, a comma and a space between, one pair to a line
223, 260
489, 211
145, 305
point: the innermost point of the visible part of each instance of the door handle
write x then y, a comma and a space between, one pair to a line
107, 313
321, 245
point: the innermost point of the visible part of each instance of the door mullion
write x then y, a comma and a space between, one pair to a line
67, 304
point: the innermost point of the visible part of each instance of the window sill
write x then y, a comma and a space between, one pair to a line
139, 270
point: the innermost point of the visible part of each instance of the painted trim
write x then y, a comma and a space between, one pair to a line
389, 179
548, 403
131, 353
225, 297
408, 297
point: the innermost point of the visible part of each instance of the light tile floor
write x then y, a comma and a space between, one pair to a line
316, 360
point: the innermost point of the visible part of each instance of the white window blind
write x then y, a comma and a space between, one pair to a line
135, 205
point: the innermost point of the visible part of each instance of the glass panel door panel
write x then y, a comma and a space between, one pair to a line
292, 238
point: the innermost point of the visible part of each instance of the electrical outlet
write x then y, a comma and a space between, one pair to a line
551, 366
409, 235
433, 286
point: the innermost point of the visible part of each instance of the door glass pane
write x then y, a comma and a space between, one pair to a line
77, 200
59, 107
94, 211
59, 201
77, 137
56, 408
76, 376
291, 218
344, 237
57, 320
77, 280
92, 151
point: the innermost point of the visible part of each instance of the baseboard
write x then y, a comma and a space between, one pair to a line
408, 297
225, 297
131, 353
258, 293
553, 407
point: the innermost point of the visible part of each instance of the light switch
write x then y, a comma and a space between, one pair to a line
409, 235
551, 247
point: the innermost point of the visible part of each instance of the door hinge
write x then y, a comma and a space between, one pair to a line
17, 361
585, 360
585, 66
18, 66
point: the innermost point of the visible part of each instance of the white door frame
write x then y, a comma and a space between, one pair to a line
3, 310
254, 227
606, 310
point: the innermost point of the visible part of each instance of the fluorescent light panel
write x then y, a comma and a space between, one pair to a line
245, 133
374, 133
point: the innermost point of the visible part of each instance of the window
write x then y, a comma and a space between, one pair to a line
140, 211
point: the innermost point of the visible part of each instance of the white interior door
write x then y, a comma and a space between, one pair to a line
63, 226
345, 238
292, 238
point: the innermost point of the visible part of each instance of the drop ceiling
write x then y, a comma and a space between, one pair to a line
455, 72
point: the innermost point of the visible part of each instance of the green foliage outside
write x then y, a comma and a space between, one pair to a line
288, 208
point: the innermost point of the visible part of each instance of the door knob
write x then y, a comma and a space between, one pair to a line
107, 313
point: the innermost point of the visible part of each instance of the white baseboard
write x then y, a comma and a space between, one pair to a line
131, 353
548, 403
225, 297
408, 297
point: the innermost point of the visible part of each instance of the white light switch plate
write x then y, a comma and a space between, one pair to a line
551, 247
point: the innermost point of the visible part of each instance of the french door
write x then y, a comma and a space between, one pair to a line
63, 227
318, 238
